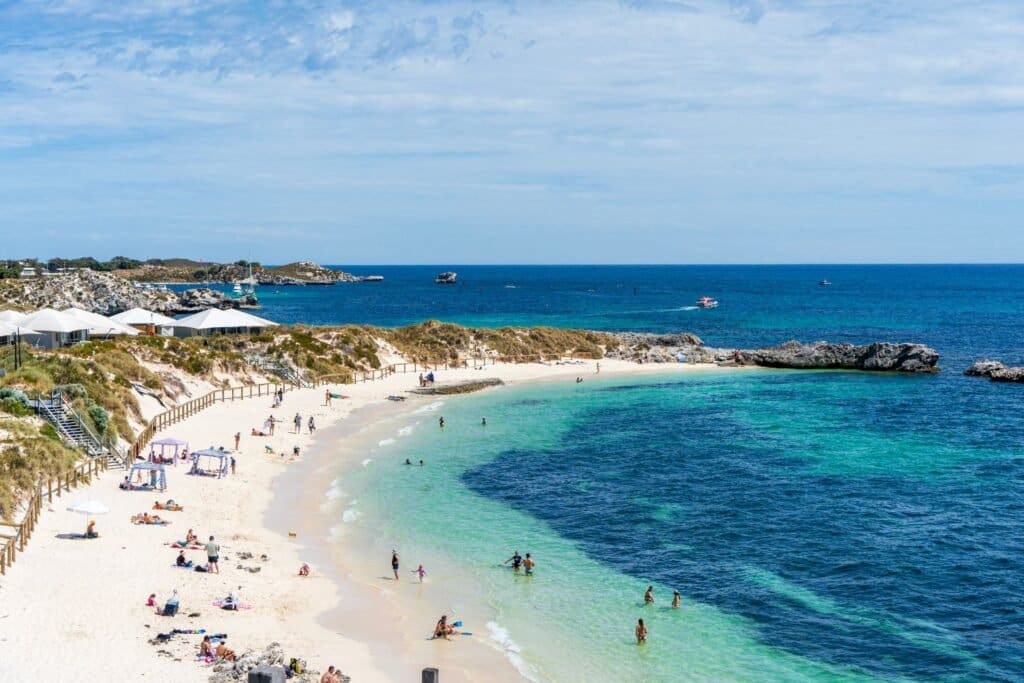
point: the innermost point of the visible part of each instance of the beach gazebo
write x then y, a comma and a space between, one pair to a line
146, 322
167, 442
215, 321
219, 459
156, 473
55, 329
100, 326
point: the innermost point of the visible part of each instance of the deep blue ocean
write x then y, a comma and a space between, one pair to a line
819, 525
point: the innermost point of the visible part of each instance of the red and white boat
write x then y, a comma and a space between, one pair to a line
707, 302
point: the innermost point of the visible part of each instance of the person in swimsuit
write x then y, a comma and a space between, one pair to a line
528, 565
420, 572
649, 596
676, 600
206, 647
641, 632
442, 629
516, 560
394, 563
440, 422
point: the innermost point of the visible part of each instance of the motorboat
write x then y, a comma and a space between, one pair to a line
824, 283
707, 302
446, 278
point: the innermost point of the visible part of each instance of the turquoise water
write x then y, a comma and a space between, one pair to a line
819, 526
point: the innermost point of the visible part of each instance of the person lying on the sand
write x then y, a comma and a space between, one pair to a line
258, 432
146, 518
223, 652
170, 505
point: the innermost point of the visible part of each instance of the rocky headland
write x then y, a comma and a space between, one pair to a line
996, 371
689, 348
107, 294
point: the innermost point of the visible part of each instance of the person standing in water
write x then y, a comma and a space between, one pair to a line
528, 565
598, 369
440, 422
649, 596
516, 560
483, 421
676, 600
641, 632
394, 563
420, 572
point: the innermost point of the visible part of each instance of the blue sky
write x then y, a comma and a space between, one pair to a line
643, 131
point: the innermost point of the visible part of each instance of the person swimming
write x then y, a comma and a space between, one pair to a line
408, 462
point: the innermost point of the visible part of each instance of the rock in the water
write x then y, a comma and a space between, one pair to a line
458, 387
203, 297
984, 368
689, 348
880, 356
996, 371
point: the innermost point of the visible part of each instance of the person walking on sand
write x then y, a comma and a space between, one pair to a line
270, 423
641, 632
598, 369
238, 438
298, 423
420, 572
232, 464
212, 556
649, 596
676, 600
394, 563
327, 397
312, 425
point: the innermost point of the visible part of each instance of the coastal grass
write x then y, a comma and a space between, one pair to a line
103, 378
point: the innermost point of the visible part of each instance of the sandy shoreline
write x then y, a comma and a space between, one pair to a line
87, 598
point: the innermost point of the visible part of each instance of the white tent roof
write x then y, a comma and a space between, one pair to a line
140, 316
49, 320
100, 325
216, 318
11, 316
10, 329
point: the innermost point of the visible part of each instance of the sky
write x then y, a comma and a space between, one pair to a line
514, 131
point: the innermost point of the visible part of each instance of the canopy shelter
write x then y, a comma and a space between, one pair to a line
214, 321
55, 329
12, 317
145, 321
151, 476
10, 331
167, 442
100, 325
218, 460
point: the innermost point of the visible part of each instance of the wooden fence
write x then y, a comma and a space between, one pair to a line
14, 543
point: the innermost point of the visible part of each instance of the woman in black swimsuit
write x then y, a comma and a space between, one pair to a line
394, 563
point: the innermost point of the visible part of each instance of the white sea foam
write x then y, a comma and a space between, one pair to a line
429, 408
385, 442
350, 515
406, 430
336, 532
500, 637
367, 461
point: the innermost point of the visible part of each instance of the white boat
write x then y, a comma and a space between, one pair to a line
824, 283
707, 302
237, 289
446, 278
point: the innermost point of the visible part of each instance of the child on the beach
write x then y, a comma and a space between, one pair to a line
420, 572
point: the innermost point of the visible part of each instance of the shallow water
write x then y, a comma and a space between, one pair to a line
820, 526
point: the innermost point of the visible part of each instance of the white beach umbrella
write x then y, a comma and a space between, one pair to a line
89, 507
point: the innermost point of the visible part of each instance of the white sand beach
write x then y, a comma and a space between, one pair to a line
85, 600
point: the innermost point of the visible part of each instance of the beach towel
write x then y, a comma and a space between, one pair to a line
333, 395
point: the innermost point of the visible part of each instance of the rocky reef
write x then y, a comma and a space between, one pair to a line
996, 371
685, 347
107, 294
458, 387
